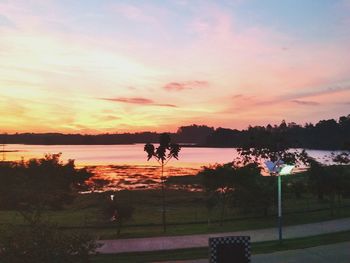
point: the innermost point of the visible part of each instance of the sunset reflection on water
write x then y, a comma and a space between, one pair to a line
117, 177
117, 167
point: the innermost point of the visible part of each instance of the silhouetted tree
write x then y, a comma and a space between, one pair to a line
40, 184
332, 181
252, 192
163, 154
341, 171
296, 184
341, 158
317, 178
242, 186
194, 133
117, 212
210, 203
218, 184
326, 134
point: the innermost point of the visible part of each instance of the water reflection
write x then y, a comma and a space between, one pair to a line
125, 166
117, 177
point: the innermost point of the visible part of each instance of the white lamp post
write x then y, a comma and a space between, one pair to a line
279, 168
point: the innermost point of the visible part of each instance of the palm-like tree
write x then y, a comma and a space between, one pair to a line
163, 154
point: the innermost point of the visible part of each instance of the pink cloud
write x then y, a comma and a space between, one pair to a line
178, 86
306, 103
140, 101
261, 60
134, 100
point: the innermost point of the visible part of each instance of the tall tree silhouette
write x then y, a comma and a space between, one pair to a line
163, 154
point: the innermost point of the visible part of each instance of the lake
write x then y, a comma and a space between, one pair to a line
126, 166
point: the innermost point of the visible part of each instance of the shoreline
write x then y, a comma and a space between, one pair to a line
182, 145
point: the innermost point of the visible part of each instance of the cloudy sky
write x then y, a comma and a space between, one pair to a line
96, 66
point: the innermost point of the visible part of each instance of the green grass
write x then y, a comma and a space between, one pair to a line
236, 225
198, 253
186, 214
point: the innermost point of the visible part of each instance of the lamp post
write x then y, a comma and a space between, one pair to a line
279, 168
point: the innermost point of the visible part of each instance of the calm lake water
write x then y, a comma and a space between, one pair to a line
126, 166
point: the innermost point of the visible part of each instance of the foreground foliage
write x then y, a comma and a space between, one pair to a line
36, 185
31, 188
44, 243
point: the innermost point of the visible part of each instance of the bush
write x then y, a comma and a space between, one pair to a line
45, 243
34, 186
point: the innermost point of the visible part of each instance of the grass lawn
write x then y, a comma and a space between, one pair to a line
198, 253
186, 214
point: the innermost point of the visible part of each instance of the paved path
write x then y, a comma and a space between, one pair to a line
191, 241
337, 253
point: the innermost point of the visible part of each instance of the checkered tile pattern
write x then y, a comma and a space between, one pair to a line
216, 241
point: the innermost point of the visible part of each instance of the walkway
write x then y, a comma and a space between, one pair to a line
191, 241
337, 253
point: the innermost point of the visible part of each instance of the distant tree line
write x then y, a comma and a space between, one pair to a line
78, 139
195, 134
328, 134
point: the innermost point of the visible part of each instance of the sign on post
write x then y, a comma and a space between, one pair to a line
234, 249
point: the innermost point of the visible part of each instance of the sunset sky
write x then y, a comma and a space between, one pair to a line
94, 66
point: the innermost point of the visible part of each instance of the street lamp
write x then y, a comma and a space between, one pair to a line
279, 168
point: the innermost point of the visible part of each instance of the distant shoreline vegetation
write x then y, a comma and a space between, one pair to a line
325, 135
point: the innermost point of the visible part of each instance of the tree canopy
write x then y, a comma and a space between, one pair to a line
38, 184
